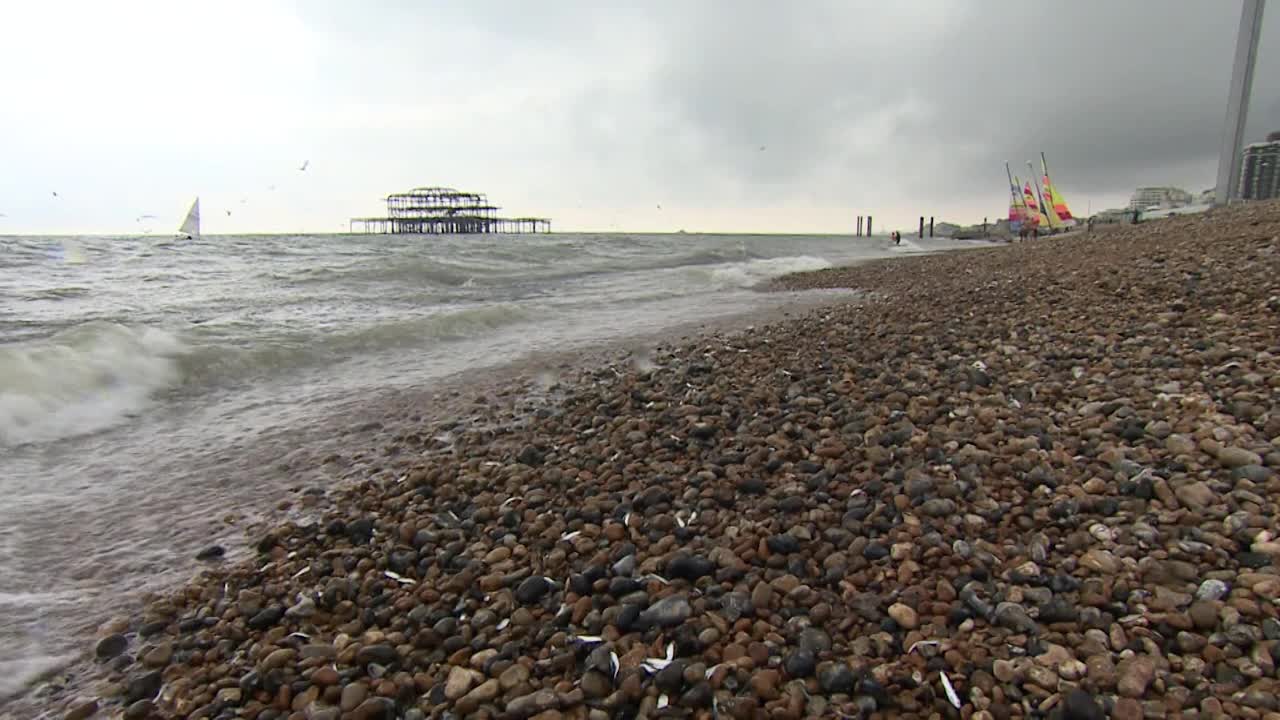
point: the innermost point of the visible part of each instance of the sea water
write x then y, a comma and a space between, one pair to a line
152, 393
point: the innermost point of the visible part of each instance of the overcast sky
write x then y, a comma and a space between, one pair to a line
734, 115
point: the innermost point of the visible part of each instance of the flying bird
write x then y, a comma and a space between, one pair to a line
305, 163
55, 193
228, 213
659, 206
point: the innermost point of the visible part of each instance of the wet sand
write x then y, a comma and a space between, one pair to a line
1028, 479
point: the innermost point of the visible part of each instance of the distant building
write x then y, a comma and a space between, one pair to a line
1153, 197
1259, 178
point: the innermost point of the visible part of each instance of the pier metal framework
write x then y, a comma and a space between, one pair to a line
444, 211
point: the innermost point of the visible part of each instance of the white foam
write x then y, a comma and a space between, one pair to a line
906, 247
82, 380
753, 272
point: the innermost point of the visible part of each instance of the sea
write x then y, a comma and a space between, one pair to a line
157, 396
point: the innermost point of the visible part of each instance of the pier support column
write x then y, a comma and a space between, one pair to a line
931, 226
921, 233
868, 226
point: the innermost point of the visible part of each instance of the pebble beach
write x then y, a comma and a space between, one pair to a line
1036, 480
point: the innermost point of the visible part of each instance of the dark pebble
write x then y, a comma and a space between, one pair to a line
531, 456
875, 551
687, 567
1252, 559
110, 646
698, 696
800, 664
783, 544
532, 590
143, 687
213, 552
671, 678
381, 654
1080, 705
836, 678
266, 618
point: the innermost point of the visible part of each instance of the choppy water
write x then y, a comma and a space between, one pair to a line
147, 389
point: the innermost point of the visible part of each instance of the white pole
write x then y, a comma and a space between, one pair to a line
1238, 101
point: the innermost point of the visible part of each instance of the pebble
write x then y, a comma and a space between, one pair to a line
1079, 705
110, 646
1041, 487
1134, 675
213, 552
904, 615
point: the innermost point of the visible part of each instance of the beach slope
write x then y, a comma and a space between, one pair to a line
1023, 479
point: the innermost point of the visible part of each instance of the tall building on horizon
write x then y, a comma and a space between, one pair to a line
1260, 169
1145, 198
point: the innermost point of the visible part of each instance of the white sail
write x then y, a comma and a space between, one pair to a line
191, 226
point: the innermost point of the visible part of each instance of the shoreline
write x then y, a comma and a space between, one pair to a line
966, 460
501, 396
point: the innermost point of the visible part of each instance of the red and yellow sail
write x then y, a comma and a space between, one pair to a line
1035, 214
1053, 197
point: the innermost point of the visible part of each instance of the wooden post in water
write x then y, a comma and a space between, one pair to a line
868, 226
859, 227
930, 226
921, 235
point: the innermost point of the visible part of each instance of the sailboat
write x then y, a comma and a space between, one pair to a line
1034, 212
1017, 208
1053, 199
1048, 218
191, 226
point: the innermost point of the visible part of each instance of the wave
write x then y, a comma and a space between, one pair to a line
82, 379
99, 374
214, 364
512, 264
906, 247
58, 293
754, 272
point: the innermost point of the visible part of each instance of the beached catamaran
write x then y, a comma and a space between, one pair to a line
1040, 207
1017, 206
1054, 200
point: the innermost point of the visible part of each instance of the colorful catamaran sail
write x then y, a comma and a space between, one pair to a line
1053, 198
1048, 218
1033, 208
1017, 208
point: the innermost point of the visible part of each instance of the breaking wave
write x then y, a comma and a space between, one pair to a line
81, 380
754, 272
95, 375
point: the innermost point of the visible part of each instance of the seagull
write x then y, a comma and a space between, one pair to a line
55, 193
659, 206
305, 163
228, 213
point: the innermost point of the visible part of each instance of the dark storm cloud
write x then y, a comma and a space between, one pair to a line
1117, 93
